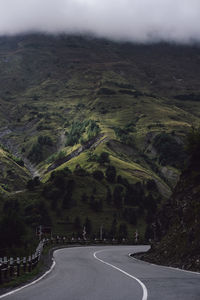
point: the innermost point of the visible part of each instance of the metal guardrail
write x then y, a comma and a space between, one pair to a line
11, 268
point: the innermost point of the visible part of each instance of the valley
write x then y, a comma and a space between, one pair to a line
78, 108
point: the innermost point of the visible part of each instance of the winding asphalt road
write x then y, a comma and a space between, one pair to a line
109, 273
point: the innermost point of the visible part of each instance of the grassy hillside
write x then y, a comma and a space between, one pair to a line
13, 175
67, 100
132, 92
68, 201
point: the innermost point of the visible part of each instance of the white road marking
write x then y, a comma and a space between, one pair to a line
165, 267
145, 293
29, 284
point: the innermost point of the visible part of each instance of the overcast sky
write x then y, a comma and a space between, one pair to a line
133, 20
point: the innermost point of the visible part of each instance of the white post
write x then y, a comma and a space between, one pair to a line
136, 236
84, 233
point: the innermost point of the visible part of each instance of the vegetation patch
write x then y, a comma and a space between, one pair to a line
124, 134
41, 149
170, 151
81, 132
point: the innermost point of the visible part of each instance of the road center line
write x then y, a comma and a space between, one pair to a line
145, 293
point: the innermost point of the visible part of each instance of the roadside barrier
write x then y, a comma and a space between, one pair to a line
11, 268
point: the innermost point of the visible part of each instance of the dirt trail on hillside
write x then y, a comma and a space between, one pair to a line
92, 144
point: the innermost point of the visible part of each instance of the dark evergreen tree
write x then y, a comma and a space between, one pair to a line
108, 196
88, 226
98, 175
77, 224
84, 197
123, 231
103, 158
113, 229
118, 196
111, 174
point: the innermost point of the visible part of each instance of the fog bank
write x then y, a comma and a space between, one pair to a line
130, 20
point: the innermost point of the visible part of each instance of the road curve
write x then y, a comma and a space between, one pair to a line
107, 273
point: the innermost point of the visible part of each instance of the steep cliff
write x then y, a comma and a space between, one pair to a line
177, 225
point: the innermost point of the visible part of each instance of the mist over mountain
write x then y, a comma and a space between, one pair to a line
136, 21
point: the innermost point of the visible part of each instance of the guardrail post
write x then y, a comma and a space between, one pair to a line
33, 261
18, 266
5, 264
11, 267
1, 264
24, 264
29, 264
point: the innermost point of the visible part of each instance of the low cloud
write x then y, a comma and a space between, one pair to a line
130, 20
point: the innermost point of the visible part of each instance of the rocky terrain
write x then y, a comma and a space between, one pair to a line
177, 226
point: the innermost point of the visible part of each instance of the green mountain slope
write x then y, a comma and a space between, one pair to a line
13, 174
132, 92
89, 104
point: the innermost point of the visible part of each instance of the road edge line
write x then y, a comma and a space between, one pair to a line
166, 267
31, 283
145, 292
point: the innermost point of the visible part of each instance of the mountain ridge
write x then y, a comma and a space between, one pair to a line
59, 94
75, 59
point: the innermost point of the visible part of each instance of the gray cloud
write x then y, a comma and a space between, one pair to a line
132, 20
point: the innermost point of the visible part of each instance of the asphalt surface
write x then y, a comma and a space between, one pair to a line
109, 273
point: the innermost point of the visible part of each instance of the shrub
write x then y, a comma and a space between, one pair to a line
18, 161
122, 180
38, 151
123, 231
45, 140
151, 185
32, 183
170, 151
80, 172
124, 134
64, 172
111, 173
98, 175
89, 127
56, 156
103, 158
